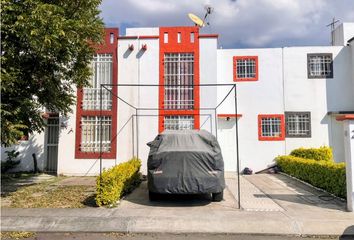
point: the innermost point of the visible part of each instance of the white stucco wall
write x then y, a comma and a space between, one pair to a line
208, 75
348, 128
343, 33
255, 97
319, 96
283, 85
34, 144
142, 31
138, 67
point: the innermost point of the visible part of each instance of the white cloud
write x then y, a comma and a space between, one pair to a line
241, 23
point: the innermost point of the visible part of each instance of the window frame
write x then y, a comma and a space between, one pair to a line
93, 129
186, 46
282, 127
309, 76
246, 79
106, 48
178, 91
287, 113
112, 113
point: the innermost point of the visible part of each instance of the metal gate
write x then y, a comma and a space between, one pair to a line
52, 136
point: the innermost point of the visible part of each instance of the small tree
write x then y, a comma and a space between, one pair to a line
11, 161
46, 48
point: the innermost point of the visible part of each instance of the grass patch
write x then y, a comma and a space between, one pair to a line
17, 176
50, 194
16, 235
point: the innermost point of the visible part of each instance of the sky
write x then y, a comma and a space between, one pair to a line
239, 23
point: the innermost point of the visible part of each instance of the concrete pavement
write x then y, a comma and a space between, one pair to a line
164, 236
291, 209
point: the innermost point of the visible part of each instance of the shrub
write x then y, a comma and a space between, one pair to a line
117, 181
326, 175
319, 154
10, 162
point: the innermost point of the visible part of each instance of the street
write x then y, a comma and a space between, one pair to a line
153, 236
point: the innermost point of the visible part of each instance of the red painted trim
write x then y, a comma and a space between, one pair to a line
229, 115
236, 79
139, 37
109, 48
282, 127
209, 36
149, 37
185, 46
47, 115
345, 117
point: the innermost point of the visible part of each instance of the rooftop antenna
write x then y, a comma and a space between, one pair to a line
333, 26
198, 21
209, 9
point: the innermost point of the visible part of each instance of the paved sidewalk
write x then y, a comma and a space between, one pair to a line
286, 207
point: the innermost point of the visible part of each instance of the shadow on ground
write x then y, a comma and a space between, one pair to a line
140, 196
90, 201
12, 182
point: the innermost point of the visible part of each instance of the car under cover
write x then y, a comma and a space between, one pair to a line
185, 162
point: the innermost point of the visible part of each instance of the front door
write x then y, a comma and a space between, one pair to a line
227, 141
52, 139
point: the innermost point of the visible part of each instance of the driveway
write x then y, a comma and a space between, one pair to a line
260, 192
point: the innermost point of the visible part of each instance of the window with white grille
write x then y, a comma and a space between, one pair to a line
179, 79
298, 124
178, 122
91, 134
271, 127
102, 69
245, 68
320, 65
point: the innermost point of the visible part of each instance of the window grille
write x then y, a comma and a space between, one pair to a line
90, 134
179, 78
271, 127
178, 122
246, 68
298, 124
102, 74
320, 65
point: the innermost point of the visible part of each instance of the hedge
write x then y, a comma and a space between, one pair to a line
117, 181
320, 154
326, 175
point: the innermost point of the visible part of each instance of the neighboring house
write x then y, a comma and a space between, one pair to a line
287, 98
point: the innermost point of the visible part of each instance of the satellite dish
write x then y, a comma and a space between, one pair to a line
198, 22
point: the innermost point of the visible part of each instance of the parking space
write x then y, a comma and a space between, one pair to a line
140, 199
259, 192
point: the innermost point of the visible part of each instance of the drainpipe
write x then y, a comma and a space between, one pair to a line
137, 112
283, 85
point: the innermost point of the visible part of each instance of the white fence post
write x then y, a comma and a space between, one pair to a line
349, 159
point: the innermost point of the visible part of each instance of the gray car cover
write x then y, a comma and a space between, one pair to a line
185, 162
